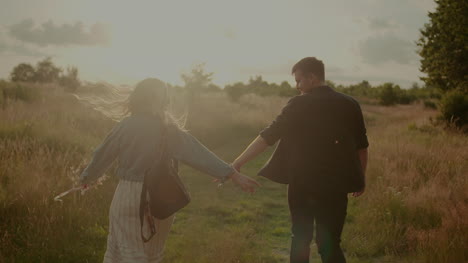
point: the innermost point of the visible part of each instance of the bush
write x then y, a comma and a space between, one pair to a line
391, 94
406, 98
13, 91
259, 87
430, 104
454, 108
70, 80
388, 95
235, 91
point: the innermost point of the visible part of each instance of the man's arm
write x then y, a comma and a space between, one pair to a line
255, 148
363, 155
362, 143
271, 134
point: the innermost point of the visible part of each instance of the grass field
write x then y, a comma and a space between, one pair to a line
414, 208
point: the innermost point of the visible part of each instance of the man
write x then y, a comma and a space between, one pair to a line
322, 156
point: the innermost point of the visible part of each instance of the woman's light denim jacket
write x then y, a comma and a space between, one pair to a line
136, 143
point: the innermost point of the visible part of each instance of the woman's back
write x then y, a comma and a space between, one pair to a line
139, 145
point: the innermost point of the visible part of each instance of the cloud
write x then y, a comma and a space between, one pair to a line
333, 70
380, 49
9, 46
381, 24
377, 23
20, 50
60, 35
426, 5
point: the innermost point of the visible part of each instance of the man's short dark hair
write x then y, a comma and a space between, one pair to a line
310, 65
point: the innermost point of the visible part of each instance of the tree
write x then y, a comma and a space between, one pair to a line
196, 82
285, 85
389, 94
257, 82
70, 80
330, 84
46, 71
443, 46
197, 79
235, 91
23, 72
286, 90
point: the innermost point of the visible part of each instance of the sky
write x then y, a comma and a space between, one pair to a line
122, 42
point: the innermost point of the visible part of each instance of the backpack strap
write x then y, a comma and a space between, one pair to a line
144, 203
144, 210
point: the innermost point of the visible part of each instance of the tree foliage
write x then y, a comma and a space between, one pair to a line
198, 79
454, 108
257, 85
70, 80
389, 94
46, 71
23, 73
443, 46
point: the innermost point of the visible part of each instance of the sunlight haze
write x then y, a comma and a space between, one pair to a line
125, 41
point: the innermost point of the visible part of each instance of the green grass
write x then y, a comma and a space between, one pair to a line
226, 225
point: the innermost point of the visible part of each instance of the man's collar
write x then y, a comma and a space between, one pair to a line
320, 88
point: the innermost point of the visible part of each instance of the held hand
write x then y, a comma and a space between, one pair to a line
245, 183
84, 188
357, 194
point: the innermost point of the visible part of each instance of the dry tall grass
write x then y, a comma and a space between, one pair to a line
414, 208
415, 202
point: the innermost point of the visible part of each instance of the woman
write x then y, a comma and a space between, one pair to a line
135, 143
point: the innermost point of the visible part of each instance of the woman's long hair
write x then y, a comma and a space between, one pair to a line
149, 96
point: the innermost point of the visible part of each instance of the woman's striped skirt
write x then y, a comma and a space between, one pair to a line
124, 243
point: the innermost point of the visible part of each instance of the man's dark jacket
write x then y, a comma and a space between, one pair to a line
320, 133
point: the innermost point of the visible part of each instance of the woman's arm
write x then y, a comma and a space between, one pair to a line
186, 148
103, 156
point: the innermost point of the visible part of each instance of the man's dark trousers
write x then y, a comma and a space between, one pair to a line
328, 212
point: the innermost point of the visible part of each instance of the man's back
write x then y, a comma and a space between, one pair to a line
322, 155
320, 133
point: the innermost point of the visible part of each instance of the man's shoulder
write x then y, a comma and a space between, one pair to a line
298, 100
347, 99
325, 97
